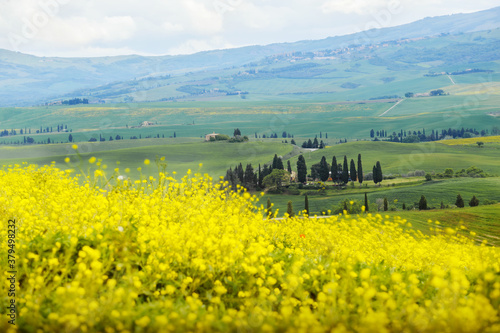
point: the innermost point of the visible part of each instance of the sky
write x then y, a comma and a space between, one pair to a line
89, 28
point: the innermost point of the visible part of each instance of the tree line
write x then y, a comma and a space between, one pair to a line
275, 175
412, 136
26, 131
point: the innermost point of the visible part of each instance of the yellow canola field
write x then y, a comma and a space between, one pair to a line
471, 141
163, 255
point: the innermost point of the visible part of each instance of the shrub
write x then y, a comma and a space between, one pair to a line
351, 206
428, 177
489, 202
474, 201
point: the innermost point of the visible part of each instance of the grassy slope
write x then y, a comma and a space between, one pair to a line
434, 191
483, 220
216, 157
399, 158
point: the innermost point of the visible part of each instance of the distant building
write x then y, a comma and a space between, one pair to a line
146, 123
208, 136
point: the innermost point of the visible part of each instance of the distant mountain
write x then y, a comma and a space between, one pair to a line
27, 80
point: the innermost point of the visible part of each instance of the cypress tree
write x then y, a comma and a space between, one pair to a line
366, 203
404, 206
323, 169
315, 143
422, 204
279, 164
289, 167
289, 209
240, 173
306, 205
345, 171
353, 173
275, 161
379, 172
260, 178
386, 205
360, 170
474, 201
459, 202
334, 171
301, 169
248, 177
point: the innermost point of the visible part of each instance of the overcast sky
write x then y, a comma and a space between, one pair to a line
158, 27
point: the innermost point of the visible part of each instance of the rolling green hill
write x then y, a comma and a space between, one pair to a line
342, 67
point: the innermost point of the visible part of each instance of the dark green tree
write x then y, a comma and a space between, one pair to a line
404, 206
360, 170
345, 171
231, 178
459, 202
352, 171
240, 173
289, 166
366, 203
334, 171
309, 143
377, 173
315, 143
70, 138
277, 163
259, 178
474, 201
237, 132
306, 205
248, 178
301, 169
289, 209
422, 204
386, 205
323, 169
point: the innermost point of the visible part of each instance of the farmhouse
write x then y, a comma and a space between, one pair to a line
208, 136
146, 123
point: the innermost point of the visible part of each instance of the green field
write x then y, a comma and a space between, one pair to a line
342, 120
407, 193
216, 157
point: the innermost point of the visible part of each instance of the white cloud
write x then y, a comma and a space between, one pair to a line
84, 31
169, 27
202, 20
360, 7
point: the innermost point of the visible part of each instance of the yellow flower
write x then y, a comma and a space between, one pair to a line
67, 160
74, 146
92, 160
146, 161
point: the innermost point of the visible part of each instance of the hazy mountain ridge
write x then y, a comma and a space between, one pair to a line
26, 79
